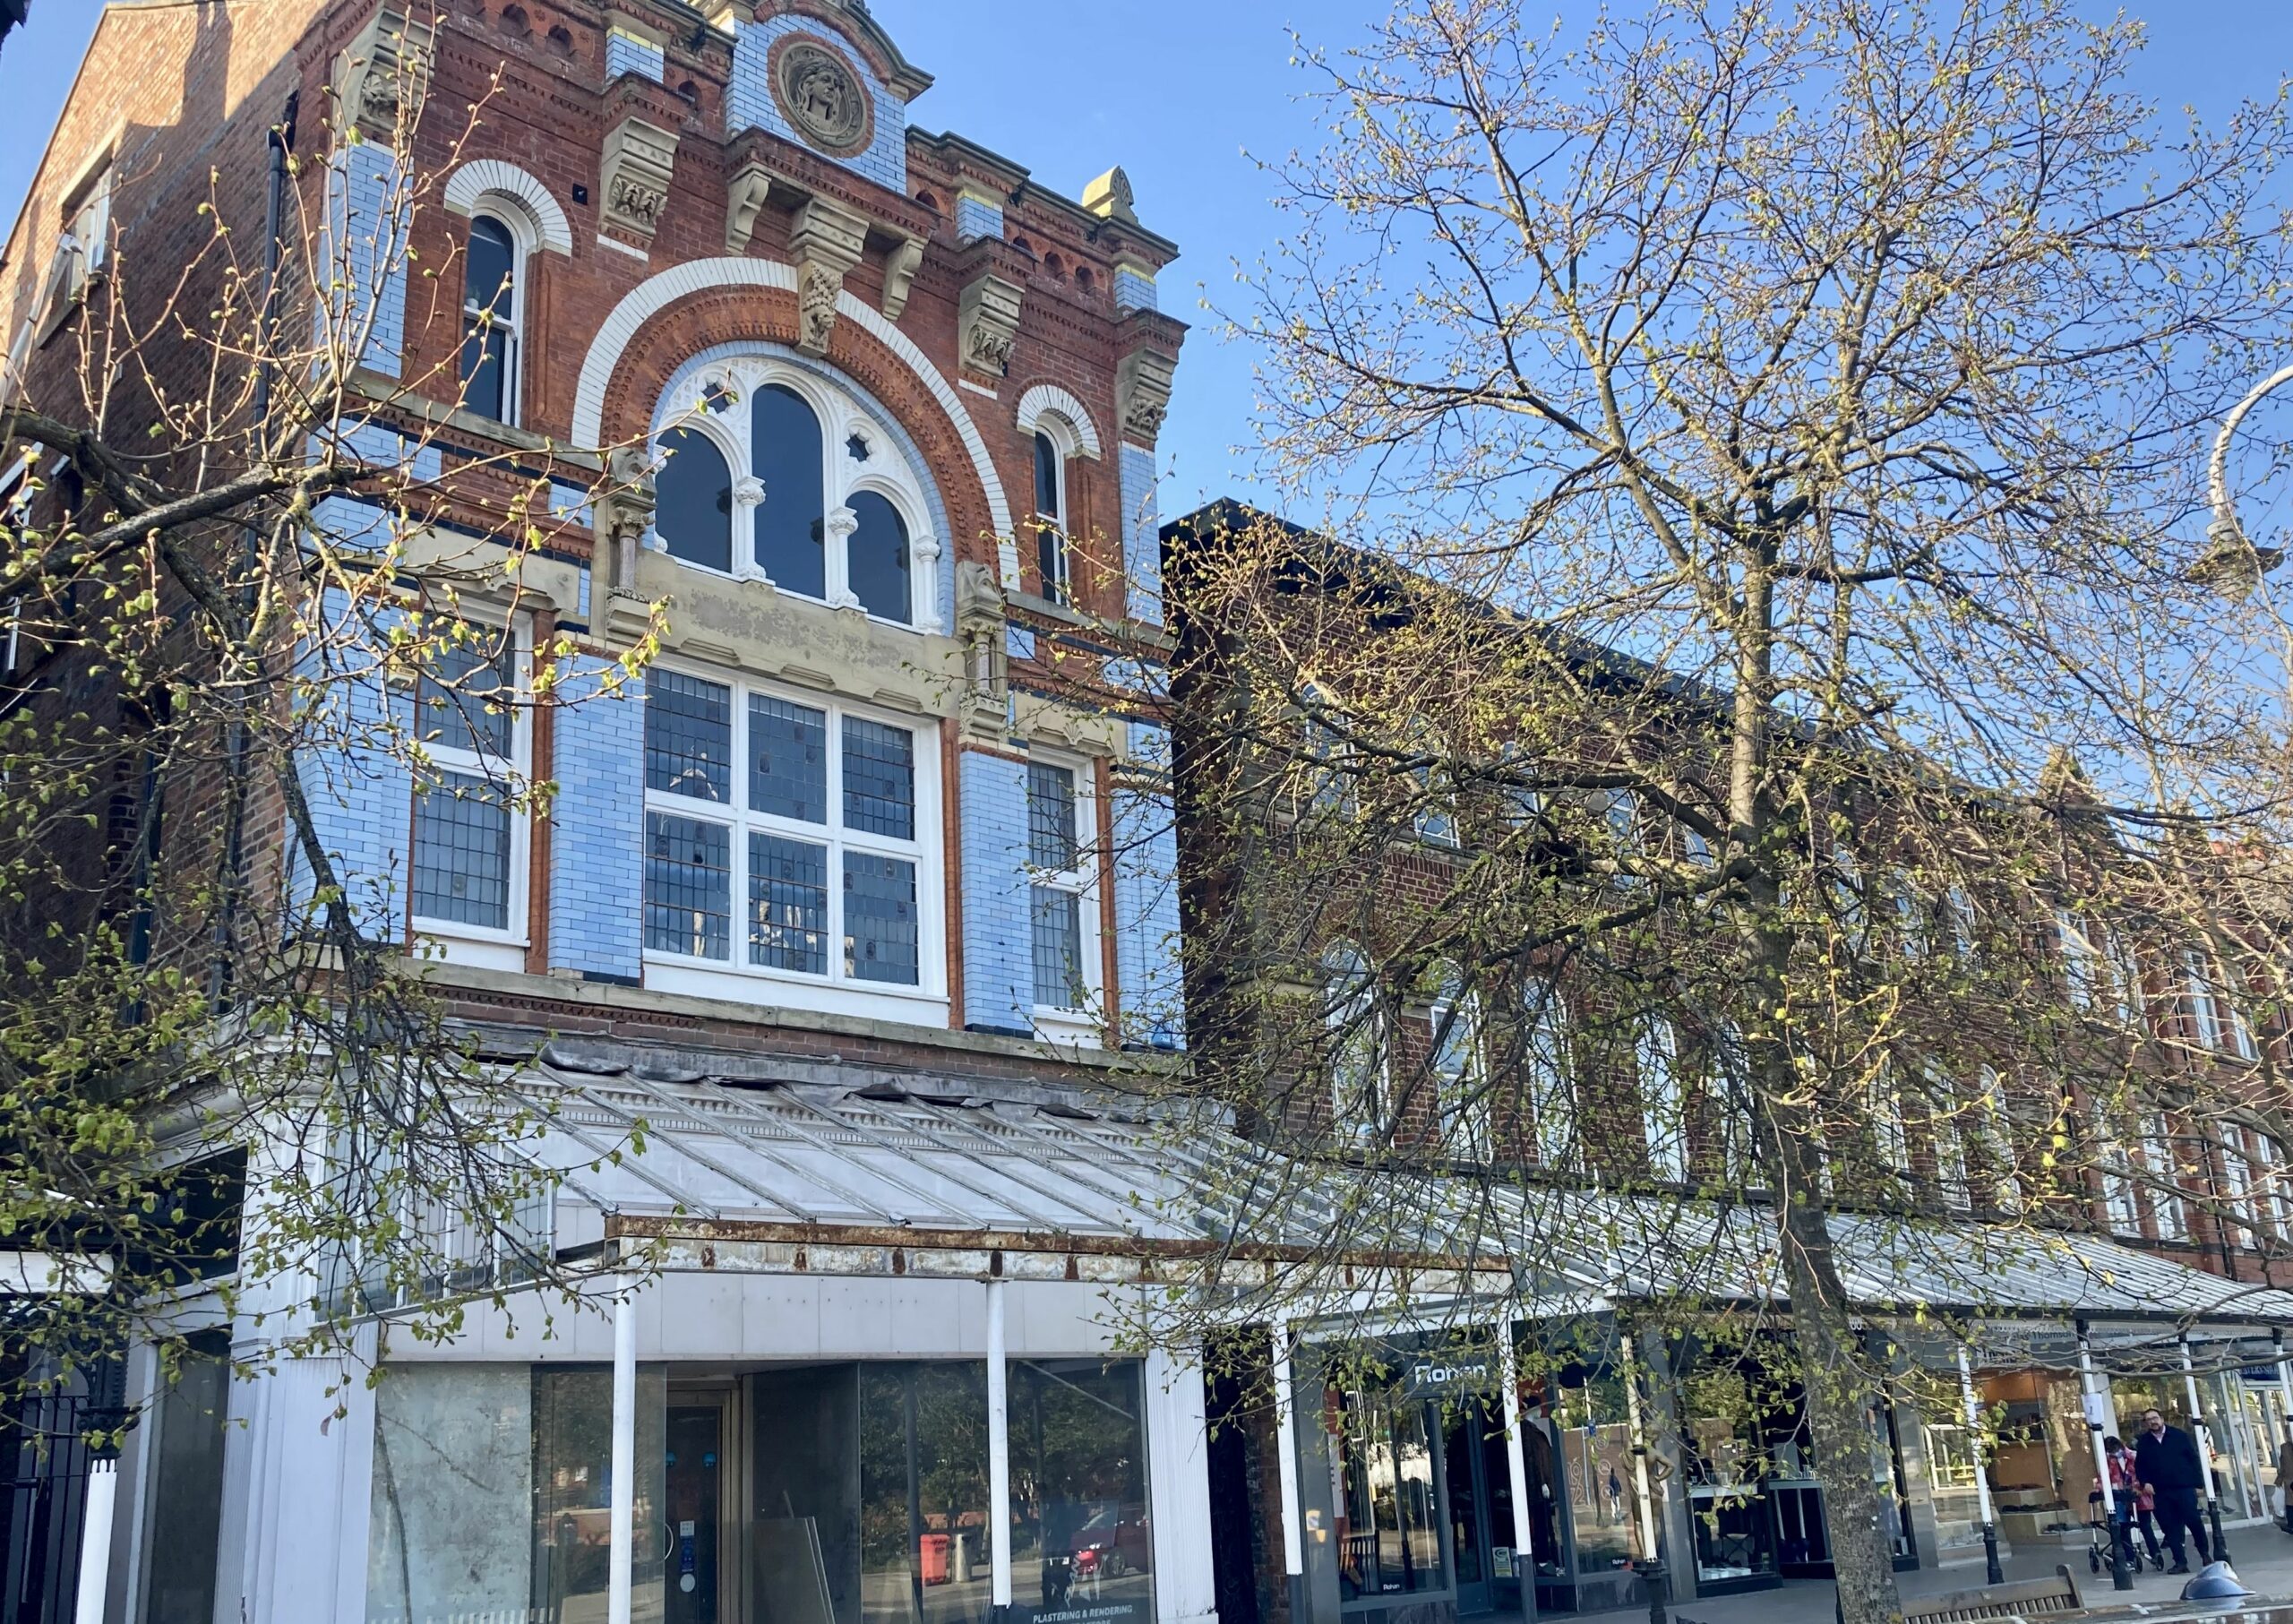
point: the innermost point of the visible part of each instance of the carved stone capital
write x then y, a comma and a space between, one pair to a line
382, 73
987, 322
639, 156
744, 200
825, 242
624, 511
748, 492
979, 627
1142, 384
900, 266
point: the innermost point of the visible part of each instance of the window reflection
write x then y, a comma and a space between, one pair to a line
1389, 1537
923, 1556
785, 448
573, 1488
1081, 1546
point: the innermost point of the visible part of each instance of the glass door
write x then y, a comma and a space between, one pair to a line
696, 1512
1465, 1428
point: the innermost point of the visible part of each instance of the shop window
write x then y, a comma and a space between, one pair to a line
1082, 1545
470, 730
1594, 1422
491, 265
1062, 894
786, 840
789, 479
1388, 1520
923, 1522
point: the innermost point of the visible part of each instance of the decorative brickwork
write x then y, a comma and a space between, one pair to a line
596, 872
998, 976
753, 101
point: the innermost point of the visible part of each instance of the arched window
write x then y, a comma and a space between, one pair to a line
878, 566
816, 495
785, 446
490, 264
692, 499
1051, 519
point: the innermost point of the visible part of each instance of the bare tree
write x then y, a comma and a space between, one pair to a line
1783, 643
242, 581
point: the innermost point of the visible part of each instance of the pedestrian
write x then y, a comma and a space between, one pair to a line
2136, 1507
2167, 1459
2285, 1480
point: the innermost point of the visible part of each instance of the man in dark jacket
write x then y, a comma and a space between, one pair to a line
2165, 1458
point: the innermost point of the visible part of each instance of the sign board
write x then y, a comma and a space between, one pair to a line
1428, 1375
2098, 1411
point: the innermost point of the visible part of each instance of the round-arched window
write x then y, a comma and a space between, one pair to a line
767, 471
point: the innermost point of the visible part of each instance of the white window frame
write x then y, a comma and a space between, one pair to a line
1889, 1136
1066, 445
1552, 1090
1948, 1141
1458, 1066
2121, 1197
2240, 1214
1354, 1019
1663, 1112
2205, 1010
1737, 1129
2167, 1211
733, 977
1998, 1141
2126, 980
84, 240
451, 939
1085, 1024
1909, 907
1435, 820
2080, 961
886, 473
514, 346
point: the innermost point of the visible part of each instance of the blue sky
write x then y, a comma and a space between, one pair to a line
1181, 94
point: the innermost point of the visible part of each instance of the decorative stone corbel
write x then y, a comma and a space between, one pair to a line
900, 266
925, 550
825, 242
1142, 383
752, 185
987, 321
625, 513
383, 71
979, 627
639, 156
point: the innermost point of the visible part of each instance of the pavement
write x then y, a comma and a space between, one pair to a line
2261, 1554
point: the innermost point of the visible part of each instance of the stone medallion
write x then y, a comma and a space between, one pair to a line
821, 97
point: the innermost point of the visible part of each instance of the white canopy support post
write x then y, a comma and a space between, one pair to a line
2091, 1392
621, 1500
1640, 1440
2202, 1436
95, 1540
1516, 1472
999, 1458
1979, 1453
1287, 1473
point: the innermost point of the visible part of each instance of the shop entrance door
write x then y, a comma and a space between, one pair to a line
1463, 1435
695, 1513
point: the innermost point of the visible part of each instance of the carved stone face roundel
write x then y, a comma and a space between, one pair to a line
821, 97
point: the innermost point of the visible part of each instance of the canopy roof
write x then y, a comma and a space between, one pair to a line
737, 1154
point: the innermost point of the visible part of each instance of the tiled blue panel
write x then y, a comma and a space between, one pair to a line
627, 54
370, 442
748, 103
571, 502
976, 218
361, 189
1146, 918
1132, 291
597, 843
1142, 546
999, 973
350, 523
1018, 642
359, 791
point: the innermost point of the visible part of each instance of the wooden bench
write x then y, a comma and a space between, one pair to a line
2025, 1598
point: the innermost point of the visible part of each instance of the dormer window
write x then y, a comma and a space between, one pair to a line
491, 265
766, 473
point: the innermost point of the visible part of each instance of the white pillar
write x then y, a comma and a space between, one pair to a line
2091, 1393
1639, 1441
621, 1525
95, 1541
1178, 1481
1973, 1412
1516, 1463
2205, 1434
1285, 1456
998, 1454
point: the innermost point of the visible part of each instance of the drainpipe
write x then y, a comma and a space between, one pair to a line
1516, 1472
2205, 1451
1974, 1411
1286, 1474
2120, 1579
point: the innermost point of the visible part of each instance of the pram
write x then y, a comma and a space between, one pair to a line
2098, 1538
